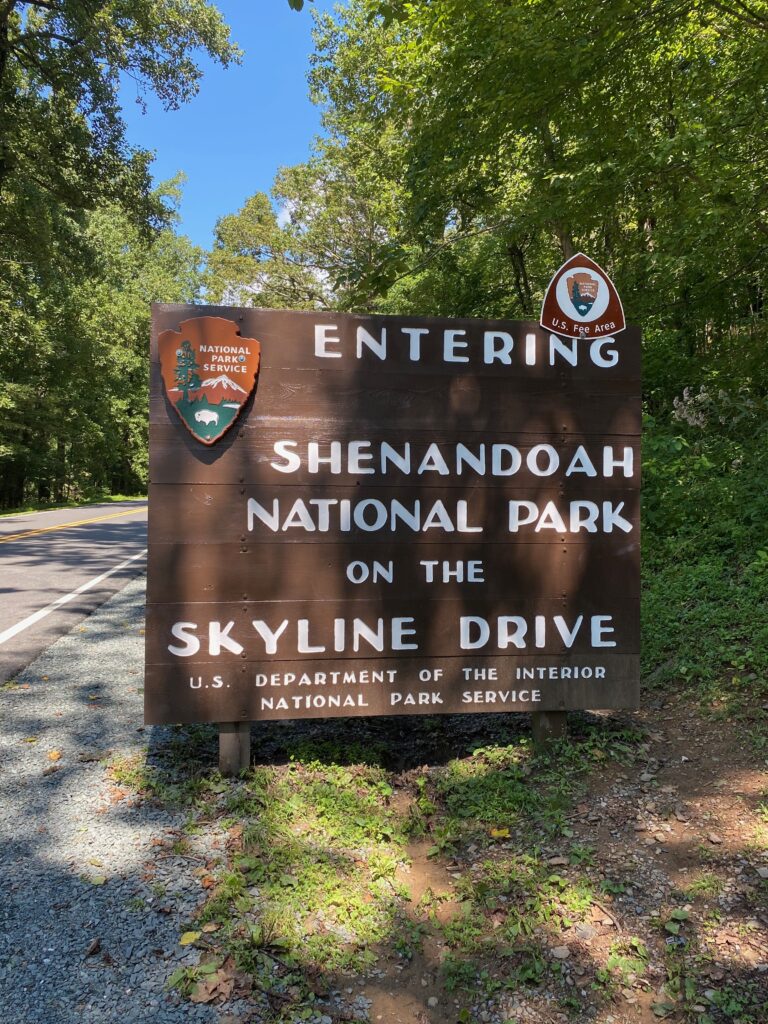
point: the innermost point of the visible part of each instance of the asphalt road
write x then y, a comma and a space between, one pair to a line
51, 564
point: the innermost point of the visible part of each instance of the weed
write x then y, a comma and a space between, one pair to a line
627, 960
612, 887
582, 855
707, 885
459, 973
408, 936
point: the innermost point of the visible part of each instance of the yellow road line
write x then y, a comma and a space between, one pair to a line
66, 526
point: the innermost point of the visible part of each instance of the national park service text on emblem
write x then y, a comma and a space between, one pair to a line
209, 372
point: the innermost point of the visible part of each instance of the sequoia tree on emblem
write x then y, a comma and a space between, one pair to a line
582, 302
209, 372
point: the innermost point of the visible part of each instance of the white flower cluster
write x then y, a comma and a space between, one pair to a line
705, 406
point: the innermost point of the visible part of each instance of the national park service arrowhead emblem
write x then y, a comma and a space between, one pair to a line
582, 302
209, 373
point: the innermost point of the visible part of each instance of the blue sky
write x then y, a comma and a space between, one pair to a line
245, 122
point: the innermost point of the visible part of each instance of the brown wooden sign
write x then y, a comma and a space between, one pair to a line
407, 516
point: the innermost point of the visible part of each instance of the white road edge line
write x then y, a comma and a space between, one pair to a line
65, 599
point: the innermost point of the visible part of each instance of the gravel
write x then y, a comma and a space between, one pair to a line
78, 860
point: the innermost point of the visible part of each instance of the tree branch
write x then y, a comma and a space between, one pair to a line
745, 15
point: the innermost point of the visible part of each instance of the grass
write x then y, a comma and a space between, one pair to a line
99, 499
313, 882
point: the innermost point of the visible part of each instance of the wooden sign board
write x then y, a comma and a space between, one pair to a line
400, 516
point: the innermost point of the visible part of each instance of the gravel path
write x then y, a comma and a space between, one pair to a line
85, 934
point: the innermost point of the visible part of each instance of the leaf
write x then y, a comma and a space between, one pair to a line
662, 1009
672, 926
54, 755
219, 984
97, 879
211, 926
189, 937
500, 833
679, 915
210, 968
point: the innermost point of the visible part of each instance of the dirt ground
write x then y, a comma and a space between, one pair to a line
684, 827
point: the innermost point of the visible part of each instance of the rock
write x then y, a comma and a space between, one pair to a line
646, 777
714, 838
557, 861
432, 1002
763, 872
561, 952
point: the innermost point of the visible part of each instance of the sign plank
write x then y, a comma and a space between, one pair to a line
437, 504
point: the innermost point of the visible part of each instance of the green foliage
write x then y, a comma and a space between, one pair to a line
705, 541
73, 396
626, 961
85, 240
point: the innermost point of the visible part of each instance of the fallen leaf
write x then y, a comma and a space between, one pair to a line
500, 833
189, 937
211, 926
93, 947
97, 879
218, 985
54, 755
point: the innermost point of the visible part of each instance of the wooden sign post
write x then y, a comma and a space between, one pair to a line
363, 515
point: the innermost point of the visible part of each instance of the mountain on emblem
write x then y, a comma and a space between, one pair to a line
209, 373
582, 302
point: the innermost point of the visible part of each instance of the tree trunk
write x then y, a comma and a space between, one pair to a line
5, 13
522, 284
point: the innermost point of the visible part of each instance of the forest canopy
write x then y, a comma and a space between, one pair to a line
468, 147
87, 239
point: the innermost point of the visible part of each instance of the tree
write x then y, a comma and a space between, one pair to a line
186, 375
76, 204
518, 133
73, 398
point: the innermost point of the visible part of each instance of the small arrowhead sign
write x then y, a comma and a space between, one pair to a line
582, 302
209, 373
